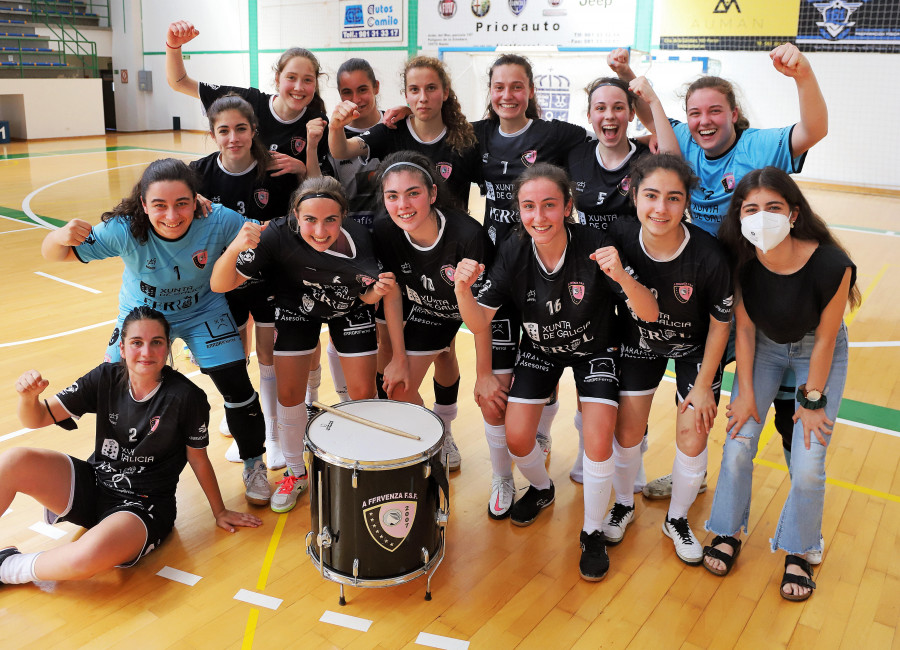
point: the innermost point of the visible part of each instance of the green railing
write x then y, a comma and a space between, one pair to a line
57, 17
53, 57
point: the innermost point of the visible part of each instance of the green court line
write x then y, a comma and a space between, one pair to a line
24, 218
879, 231
20, 156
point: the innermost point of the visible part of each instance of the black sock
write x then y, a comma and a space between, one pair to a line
784, 420
446, 394
379, 385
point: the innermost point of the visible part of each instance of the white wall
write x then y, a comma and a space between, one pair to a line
52, 108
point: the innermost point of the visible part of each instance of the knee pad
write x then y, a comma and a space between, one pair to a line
242, 408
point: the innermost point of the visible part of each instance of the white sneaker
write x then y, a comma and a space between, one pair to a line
616, 522
503, 490
256, 485
687, 548
291, 487
233, 454
545, 443
815, 557
450, 452
223, 428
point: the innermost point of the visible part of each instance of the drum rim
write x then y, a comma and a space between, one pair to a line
397, 463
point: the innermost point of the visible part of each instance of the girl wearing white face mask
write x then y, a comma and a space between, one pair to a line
793, 282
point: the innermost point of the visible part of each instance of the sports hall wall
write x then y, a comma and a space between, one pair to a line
240, 39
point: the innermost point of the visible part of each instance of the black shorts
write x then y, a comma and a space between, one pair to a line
425, 333
254, 298
353, 335
91, 503
642, 370
536, 375
506, 329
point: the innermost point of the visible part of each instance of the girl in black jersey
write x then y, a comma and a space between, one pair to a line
125, 493
236, 177
438, 129
689, 275
323, 269
291, 123
421, 243
794, 281
561, 277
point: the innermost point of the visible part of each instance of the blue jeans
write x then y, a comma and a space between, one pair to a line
800, 525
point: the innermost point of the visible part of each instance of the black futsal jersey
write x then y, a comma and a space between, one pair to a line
141, 446
245, 193
689, 288
459, 171
277, 134
602, 195
425, 275
322, 285
504, 156
359, 178
567, 312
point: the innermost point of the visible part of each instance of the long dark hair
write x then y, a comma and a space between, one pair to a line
726, 88
533, 111
460, 135
650, 162
415, 162
233, 102
807, 226
316, 104
131, 209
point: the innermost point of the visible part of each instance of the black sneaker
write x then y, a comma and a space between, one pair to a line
526, 509
594, 562
7, 552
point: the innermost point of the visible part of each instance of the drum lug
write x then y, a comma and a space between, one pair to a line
425, 556
324, 539
427, 467
356, 567
355, 478
442, 517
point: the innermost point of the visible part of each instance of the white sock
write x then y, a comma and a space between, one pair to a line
268, 397
312, 385
628, 462
18, 569
547, 414
577, 467
598, 476
687, 475
501, 465
447, 413
337, 372
533, 468
291, 427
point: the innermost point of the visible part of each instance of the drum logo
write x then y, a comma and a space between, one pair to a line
389, 522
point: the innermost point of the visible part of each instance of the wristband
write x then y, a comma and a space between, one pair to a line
171, 47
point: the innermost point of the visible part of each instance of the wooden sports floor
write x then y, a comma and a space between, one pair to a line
499, 586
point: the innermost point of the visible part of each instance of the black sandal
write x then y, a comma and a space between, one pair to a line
716, 554
803, 581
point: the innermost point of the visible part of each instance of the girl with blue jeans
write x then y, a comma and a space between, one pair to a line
793, 283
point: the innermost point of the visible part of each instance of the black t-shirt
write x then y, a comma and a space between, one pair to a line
567, 312
323, 285
459, 171
787, 307
425, 275
140, 447
689, 288
601, 195
257, 198
504, 156
284, 137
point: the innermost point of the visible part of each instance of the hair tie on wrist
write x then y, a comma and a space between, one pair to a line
172, 47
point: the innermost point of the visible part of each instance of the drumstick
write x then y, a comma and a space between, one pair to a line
368, 423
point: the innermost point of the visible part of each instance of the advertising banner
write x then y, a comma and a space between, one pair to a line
725, 24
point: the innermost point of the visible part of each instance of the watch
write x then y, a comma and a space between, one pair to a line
811, 400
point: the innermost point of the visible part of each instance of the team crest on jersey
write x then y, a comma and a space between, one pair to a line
200, 259
516, 6
447, 272
364, 280
406, 267
389, 523
625, 185
683, 291
576, 290
261, 197
481, 7
447, 8
444, 169
113, 418
114, 337
154, 422
728, 182
529, 157
298, 144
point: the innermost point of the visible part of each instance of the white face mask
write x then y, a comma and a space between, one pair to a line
765, 230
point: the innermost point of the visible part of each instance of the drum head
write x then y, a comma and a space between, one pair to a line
348, 441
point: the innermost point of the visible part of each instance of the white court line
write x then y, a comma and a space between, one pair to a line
3, 216
177, 575
47, 530
105, 152
71, 284
443, 642
15, 434
53, 336
342, 620
875, 344
260, 600
7, 232
886, 233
